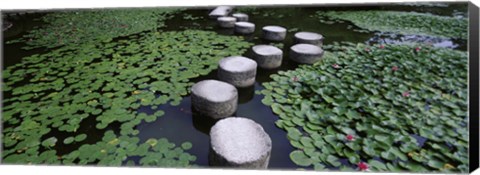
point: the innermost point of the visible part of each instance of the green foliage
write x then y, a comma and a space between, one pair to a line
365, 103
402, 22
300, 158
107, 81
84, 26
245, 9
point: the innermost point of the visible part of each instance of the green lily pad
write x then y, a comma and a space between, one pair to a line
80, 137
186, 145
379, 166
68, 140
152, 142
49, 142
299, 158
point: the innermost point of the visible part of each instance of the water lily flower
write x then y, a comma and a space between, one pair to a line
418, 48
350, 137
406, 94
367, 49
381, 46
362, 166
295, 78
336, 66
394, 68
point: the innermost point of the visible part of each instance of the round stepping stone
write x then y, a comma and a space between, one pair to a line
240, 16
244, 27
267, 56
220, 11
214, 98
274, 33
226, 22
309, 38
239, 142
305, 53
238, 71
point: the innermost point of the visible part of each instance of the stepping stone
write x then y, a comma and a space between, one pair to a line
267, 56
274, 33
214, 98
240, 16
244, 27
239, 142
226, 22
309, 38
238, 71
305, 53
220, 11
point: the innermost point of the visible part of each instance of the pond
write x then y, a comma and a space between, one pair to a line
122, 98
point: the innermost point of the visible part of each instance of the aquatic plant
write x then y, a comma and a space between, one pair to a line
380, 107
402, 22
82, 26
54, 99
246, 9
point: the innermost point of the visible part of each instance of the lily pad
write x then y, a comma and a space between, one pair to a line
186, 145
80, 137
299, 158
49, 142
68, 140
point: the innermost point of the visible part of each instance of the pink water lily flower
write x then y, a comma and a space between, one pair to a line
295, 78
394, 68
336, 66
381, 46
362, 166
418, 48
350, 137
406, 94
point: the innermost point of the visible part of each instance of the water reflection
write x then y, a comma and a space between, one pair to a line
225, 31
202, 123
245, 94
391, 38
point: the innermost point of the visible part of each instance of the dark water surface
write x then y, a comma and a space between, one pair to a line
181, 124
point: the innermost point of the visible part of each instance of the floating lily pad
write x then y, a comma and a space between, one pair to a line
49, 142
186, 145
300, 158
68, 140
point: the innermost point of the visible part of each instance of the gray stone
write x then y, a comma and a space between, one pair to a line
6, 25
240, 143
214, 98
220, 11
305, 53
238, 71
226, 22
244, 27
274, 33
309, 38
240, 16
267, 56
